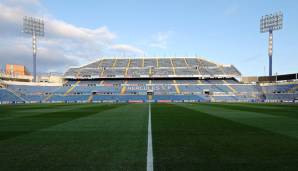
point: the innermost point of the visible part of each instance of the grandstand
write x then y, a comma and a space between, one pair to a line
179, 79
152, 68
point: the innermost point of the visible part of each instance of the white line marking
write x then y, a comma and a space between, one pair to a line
149, 147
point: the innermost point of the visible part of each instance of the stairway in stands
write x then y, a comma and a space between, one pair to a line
176, 87
16, 94
293, 90
71, 88
90, 98
230, 87
123, 90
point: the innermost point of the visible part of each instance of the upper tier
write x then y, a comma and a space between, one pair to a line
151, 68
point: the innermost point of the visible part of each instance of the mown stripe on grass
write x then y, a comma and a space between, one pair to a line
276, 110
26, 112
274, 123
20, 107
23, 125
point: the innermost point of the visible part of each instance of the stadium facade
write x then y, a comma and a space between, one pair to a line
179, 79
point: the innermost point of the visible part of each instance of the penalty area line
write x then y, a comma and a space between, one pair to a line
149, 144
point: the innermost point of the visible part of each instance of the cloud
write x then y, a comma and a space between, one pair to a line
60, 29
21, 53
21, 3
127, 49
161, 40
64, 44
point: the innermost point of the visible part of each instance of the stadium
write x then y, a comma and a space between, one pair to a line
139, 80
144, 112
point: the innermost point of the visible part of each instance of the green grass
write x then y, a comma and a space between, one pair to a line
225, 137
73, 137
218, 136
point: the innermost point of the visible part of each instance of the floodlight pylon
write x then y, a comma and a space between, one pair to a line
270, 23
34, 27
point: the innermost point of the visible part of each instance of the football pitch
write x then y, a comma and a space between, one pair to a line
185, 136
